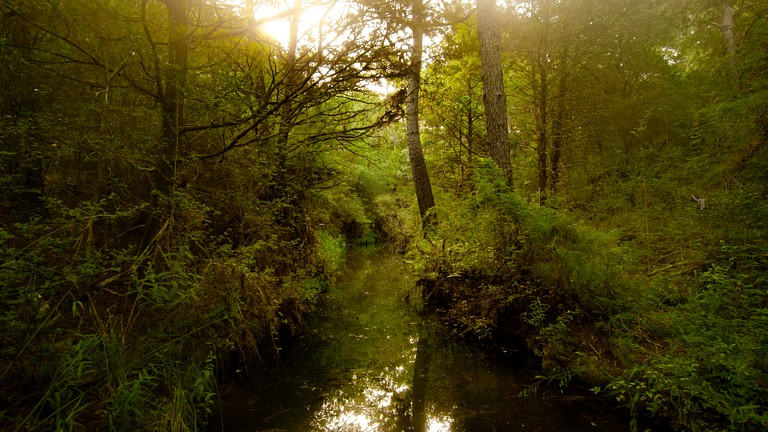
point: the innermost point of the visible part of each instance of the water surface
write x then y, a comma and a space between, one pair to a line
374, 363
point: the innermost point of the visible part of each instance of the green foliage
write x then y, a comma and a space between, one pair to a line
536, 314
712, 372
96, 326
371, 203
64, 395
330, 252
133, 265
168, 288
581, 262
492, 232
701, 358
479, 234
398, 217
454, 136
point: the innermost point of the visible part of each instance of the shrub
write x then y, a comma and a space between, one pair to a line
712, 374
330, 252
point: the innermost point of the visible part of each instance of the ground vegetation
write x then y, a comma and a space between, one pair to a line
630, 258
178, 188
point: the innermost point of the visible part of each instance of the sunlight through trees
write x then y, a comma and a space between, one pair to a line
181, 180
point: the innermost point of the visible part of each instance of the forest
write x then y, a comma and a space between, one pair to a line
581, 180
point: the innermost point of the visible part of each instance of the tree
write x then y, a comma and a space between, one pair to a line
22, 180
416, 155
494, 97
723, 49
453, 108
582, 71
170, 94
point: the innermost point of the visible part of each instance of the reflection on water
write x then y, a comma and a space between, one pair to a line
373, 364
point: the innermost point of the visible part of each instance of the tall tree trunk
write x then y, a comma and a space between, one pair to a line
415, 154
494, 99
730, 44
555, 154
540, 93
172, 105
281, 190
470, 127
286, 115
558, 126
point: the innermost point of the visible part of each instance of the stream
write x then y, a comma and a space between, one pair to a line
373, 363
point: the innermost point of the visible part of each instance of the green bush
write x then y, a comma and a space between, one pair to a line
103, 339
330, 252
479, 234
712, 374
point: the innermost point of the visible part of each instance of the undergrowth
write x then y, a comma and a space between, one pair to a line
100, 337
685, 349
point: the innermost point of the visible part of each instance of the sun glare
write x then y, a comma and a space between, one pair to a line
316, 17
320, 24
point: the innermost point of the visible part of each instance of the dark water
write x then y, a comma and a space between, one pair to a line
374, 364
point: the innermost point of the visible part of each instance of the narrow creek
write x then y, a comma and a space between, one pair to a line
373, 363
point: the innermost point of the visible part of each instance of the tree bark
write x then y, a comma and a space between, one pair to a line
730, 44
540, 92
171, 96
558, 126
494, 99
286, 115
415, 154
280, 188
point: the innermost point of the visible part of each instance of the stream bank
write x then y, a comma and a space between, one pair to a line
374, 362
